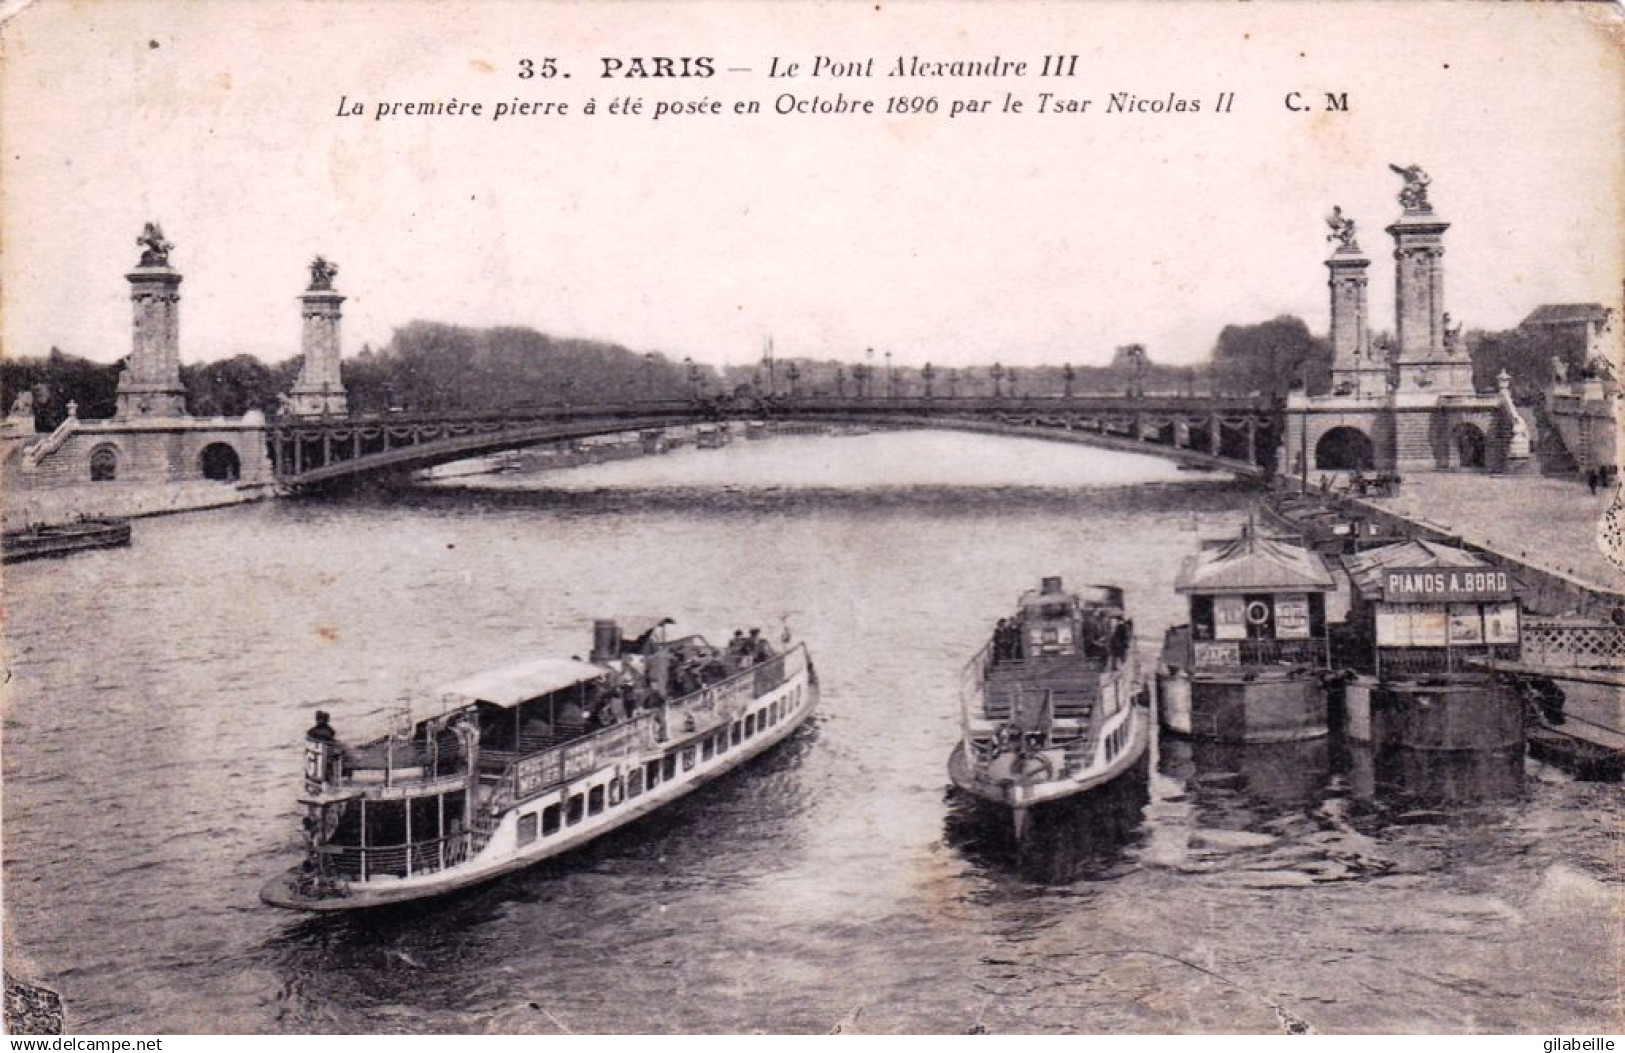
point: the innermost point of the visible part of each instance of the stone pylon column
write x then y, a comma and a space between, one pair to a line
320, 388
1352, 368
1426, 350
150, 385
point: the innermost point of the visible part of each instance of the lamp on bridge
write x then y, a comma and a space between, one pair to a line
1068, 375
997, 373
693, 372
927, 374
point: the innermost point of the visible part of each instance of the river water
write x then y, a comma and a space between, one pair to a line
152, 758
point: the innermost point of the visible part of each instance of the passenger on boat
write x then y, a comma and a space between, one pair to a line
760, 649
572, 719
535, 733
322, 731
658, 671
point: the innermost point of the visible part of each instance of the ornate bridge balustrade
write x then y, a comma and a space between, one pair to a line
1231, 434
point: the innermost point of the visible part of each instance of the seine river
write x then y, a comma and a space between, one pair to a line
152, 760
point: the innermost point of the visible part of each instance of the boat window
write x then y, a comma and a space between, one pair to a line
550, 820
652, 773
738, 733
386, 823
634, 782
527, 828
426, 818
595, 800
573, 812
688, 758
750, 724
668, 766
708, 747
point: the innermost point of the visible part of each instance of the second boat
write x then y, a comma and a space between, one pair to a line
1053, 706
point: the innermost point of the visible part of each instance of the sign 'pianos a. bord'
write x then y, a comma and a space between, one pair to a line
1445, 584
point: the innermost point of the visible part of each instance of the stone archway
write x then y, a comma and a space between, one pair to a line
220, 463
1344, 449
104, 463
1470, 445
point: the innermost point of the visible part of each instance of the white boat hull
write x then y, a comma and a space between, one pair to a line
503, 853
1019, 789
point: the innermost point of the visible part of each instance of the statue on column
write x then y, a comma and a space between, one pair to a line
1342, 230
1414, 197
322, 273
154, 249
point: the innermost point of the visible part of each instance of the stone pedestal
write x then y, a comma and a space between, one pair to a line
1427, 357
320, 388
150, 385
1354, 371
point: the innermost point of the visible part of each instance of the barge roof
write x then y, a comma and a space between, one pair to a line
1252, 563
1365, 568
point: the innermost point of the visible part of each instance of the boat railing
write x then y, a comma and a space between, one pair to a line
526, 777
354, 863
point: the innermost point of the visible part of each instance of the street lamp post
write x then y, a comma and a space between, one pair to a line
997, 372
840, 382
927, 374
794, 373
649, 376
891, 378
1068, 375
693, 372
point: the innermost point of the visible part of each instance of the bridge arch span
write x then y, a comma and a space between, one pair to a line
1236, 436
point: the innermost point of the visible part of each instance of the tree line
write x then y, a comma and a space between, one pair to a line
430, 366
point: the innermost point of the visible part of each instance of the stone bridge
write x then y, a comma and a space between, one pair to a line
1231, 434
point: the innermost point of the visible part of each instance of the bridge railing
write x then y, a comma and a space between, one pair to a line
1224, 429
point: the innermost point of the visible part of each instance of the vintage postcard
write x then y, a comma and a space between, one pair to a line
812, 518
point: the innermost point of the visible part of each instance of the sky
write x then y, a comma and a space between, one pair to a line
1030, 238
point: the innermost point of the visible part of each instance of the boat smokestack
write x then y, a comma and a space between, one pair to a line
606, 640
1051, 586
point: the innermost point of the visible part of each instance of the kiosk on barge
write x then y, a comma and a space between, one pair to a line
1250, 666
520, 764
1425, 622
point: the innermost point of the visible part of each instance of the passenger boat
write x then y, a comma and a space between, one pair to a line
521, 764
38, 542
1252, 662
1053, 705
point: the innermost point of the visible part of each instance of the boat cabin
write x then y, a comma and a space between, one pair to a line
1254, 602
1420, 609
1054, 622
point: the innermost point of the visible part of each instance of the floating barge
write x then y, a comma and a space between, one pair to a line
1251, 664
1052, 706
525, 763
41, 542
1425, 622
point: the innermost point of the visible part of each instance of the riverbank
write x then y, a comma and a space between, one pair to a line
23, 508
